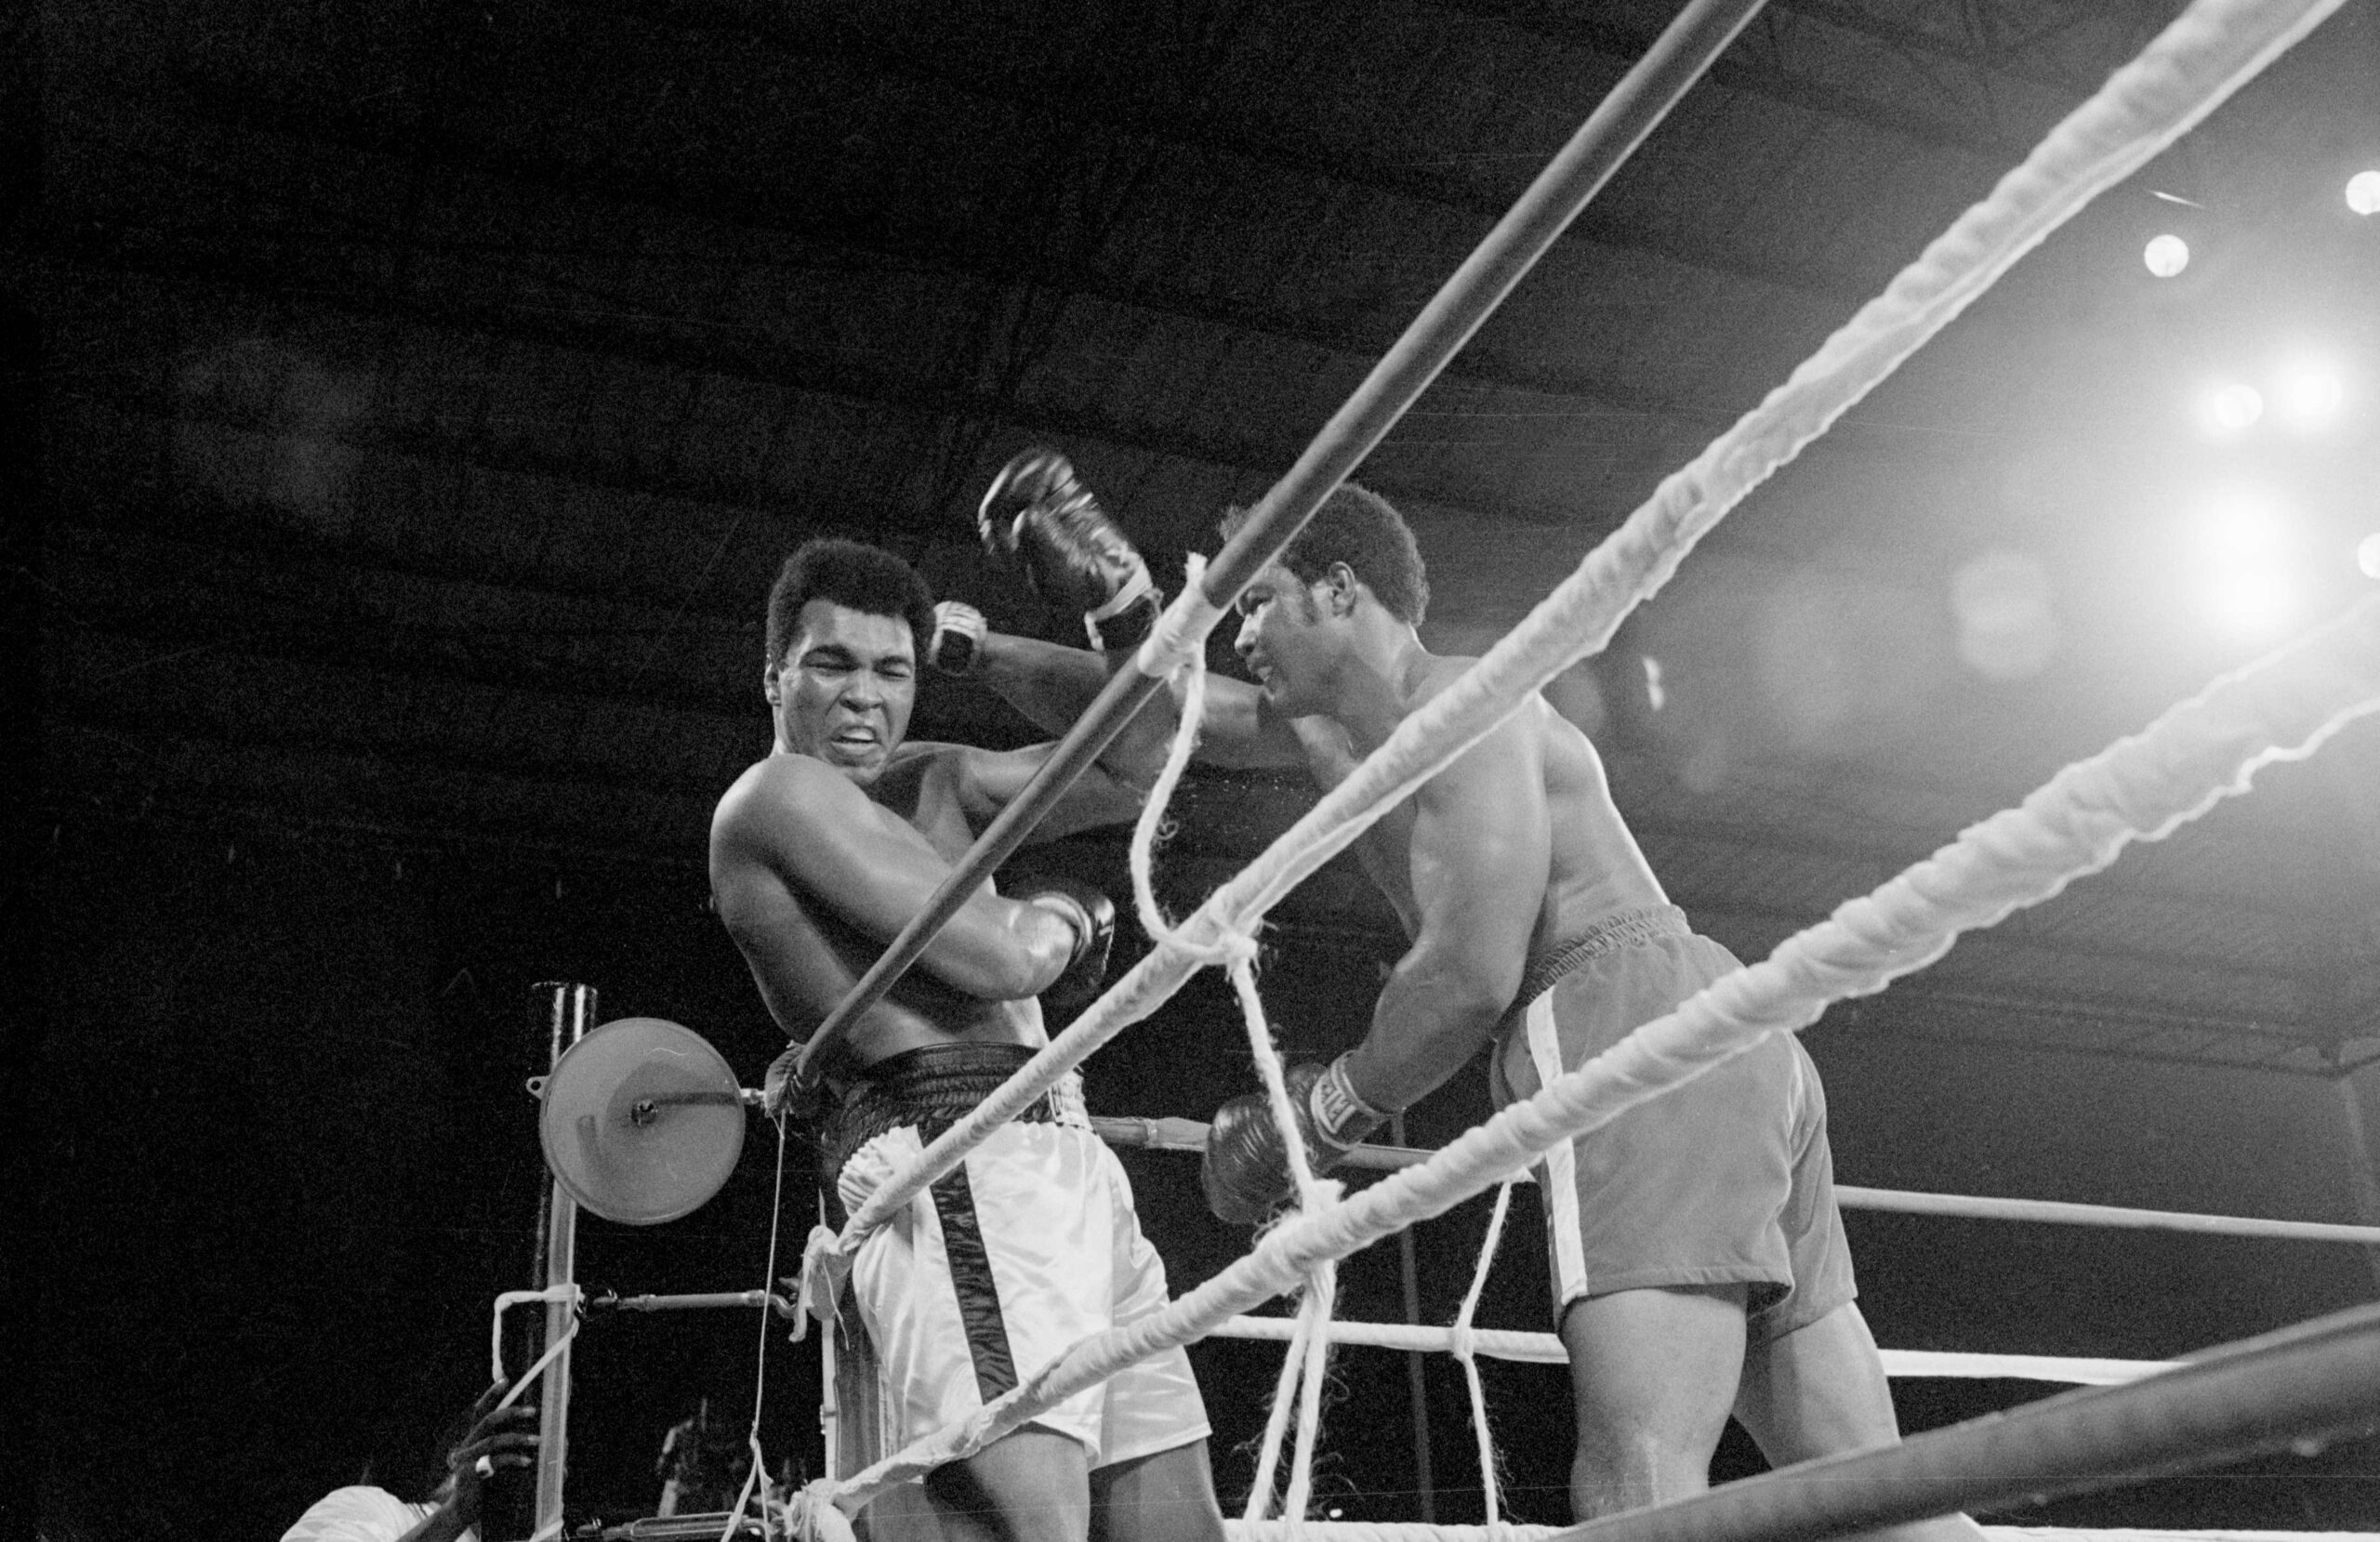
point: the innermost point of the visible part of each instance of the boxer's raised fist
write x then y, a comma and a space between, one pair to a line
1038, 518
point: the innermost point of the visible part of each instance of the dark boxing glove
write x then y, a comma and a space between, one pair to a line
957, 646
1092, 916
1246, 1170
1038, 518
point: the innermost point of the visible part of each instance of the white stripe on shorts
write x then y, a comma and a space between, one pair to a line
1560, 1189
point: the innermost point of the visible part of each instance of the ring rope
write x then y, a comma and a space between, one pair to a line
2145, 786
1546, 1349
1304, 1365
1170, 1134
1463, 1340
2190, 68
2075, 825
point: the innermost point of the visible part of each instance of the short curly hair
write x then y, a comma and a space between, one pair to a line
1358, 527
868, 579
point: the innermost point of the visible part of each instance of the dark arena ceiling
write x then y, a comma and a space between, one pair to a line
429, 393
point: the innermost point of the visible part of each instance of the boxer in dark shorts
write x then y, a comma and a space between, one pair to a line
1705, 1275
1726, 1180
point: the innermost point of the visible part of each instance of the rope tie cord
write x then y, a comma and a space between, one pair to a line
1464, 1344
2075, 825
568, 1294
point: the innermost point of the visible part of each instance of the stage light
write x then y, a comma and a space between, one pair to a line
2241, 529
2252, 603
2244, 545
1655, 694
2308, 393
2166, 254
2363, 193
2367, 555
2234, 407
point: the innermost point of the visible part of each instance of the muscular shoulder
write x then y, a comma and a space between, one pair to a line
781, 799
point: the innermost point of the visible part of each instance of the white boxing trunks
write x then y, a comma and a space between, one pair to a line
995, 1271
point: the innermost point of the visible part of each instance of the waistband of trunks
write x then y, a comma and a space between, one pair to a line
1619, 930
931, 1089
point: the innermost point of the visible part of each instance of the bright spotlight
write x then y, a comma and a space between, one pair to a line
2308, 394
2240, 530
2363, 193
2166, 254
2367, 555
2233, 408
2250, 604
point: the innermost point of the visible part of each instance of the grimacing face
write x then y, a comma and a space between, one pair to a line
1280, 639
845, 688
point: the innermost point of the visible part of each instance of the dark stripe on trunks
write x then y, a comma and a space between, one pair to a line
970, 1275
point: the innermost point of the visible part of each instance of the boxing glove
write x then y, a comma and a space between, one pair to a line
957, 645
1245, 1171
1092, 916
1037, 517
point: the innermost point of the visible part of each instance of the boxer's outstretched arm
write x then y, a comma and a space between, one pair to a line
1054, 685
796, 839
1481, 853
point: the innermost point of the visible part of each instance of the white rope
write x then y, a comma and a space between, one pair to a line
1544, 1349
1463, 1341
1236, 953
1170, 1134
2060, 1212
566, 1292
2078, 825
758, 1477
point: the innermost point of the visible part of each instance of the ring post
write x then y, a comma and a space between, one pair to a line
567, 1013
1620, 123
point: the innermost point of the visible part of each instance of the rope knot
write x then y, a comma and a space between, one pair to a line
1178, 643
812, 1515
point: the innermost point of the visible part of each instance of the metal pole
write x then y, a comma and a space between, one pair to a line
1610, 135
1417, 1381
2362, 1171
2287, 1390
568, 1011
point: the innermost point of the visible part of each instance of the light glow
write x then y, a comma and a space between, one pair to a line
2234, 407
2241, 530
2363, 193
2252, 603
2244, 542
2308, 393
2166, 254
2367, 555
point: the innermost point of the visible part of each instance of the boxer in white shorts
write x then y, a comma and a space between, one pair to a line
819, 855
994, 1272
